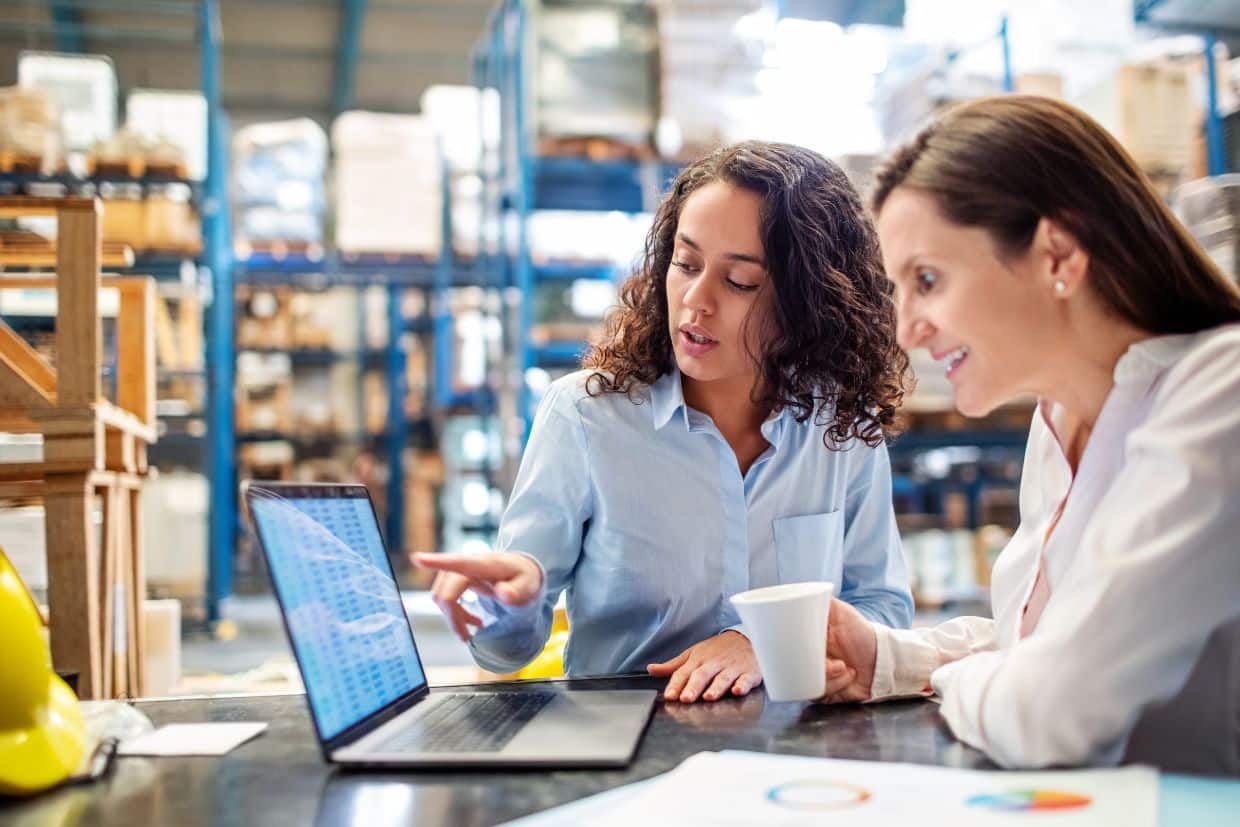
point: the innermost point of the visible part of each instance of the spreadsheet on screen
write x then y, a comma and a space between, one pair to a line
343, 608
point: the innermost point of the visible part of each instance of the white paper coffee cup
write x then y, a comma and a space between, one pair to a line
787, 626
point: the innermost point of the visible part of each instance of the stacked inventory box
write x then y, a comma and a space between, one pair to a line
709, 57
83, 87
595, 70
388, 184
278, 188
1210, 208
1156, 111
30, 134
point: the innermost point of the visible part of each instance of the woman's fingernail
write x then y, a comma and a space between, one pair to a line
687, 697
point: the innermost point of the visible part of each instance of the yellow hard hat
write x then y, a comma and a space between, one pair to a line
42, 734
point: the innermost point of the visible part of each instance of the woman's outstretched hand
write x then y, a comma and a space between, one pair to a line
718, 666
512, 579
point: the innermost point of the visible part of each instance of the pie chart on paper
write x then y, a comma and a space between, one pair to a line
1030, 801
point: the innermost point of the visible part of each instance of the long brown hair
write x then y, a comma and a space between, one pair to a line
1005, 163
831, 348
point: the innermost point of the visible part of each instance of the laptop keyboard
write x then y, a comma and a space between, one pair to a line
469, 723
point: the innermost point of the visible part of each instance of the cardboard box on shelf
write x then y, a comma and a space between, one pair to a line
424, 474
389, 184
266, 460
265, 319
170, 224
375, 402
264, 408
313, 403
30, 134
124, 220
326, 320
1152, 110
161, 620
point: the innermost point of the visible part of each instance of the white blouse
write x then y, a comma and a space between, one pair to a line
1136, 655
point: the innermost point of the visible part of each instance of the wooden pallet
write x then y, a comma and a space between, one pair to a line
596, 148
136, 166
24, 250
21, 163
279, 250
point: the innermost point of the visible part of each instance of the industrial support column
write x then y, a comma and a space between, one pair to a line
221, 351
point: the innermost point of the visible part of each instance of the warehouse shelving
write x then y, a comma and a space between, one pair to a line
209, 198
529, 182
1213, 20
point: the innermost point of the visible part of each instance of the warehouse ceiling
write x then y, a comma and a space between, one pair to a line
278, 58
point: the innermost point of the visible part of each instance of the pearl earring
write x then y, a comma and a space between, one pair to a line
1060, 286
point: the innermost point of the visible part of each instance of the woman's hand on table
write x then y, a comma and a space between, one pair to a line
512, 579
851, 649
718, 666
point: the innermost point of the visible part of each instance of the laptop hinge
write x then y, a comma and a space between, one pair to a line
372, 722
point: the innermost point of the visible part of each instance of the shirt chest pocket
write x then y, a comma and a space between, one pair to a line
810, 547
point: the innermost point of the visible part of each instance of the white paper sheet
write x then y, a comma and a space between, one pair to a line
191, 739
744, 788
583, 810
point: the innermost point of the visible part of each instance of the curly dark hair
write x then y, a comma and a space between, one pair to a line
831, 351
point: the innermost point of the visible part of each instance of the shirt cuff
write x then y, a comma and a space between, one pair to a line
738, 628
963, 685
903, 663
508, 617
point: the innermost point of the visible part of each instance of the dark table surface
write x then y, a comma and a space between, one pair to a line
280, 777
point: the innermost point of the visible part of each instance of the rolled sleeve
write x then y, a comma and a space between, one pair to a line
906, 659
550, 504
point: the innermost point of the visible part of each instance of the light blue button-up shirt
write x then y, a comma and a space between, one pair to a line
640, 511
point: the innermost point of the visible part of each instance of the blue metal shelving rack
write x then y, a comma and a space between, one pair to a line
221, 369
531, 182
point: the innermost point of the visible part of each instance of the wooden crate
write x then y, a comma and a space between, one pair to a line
94, 448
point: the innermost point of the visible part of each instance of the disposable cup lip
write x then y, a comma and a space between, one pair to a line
786, 591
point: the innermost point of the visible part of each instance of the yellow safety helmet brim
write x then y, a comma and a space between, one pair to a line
43, 755
42, 734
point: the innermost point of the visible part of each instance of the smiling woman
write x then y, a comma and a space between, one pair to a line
1030, 255
726, 434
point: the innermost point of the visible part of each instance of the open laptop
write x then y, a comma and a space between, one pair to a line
365, 683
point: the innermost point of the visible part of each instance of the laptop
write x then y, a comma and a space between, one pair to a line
365, 683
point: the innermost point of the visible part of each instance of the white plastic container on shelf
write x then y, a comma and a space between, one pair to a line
562, 235
467, 122
278, 181
175, 524
176, 117
388, 184
83, 86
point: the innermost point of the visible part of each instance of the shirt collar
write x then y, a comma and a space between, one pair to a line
1135, 371
667, 397
1147, 359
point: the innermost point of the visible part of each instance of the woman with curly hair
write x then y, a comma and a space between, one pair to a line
726, 434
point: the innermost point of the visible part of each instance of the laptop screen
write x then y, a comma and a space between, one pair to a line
340, 602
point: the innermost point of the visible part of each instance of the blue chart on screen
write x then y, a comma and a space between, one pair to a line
344, 611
